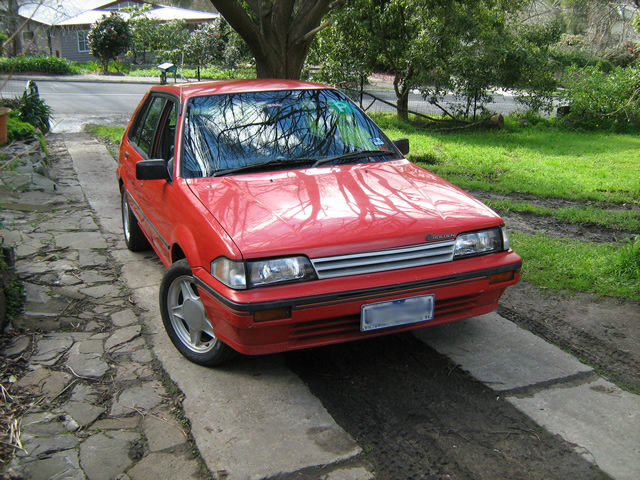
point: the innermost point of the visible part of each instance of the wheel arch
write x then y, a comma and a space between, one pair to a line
177, 253
186, 247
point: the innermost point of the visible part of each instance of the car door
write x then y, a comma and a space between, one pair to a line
153, 137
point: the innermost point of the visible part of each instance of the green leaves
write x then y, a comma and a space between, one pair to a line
47, 64
603, 101
109, 37
35, 111
438, 46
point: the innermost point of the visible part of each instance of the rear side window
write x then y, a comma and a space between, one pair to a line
144, 133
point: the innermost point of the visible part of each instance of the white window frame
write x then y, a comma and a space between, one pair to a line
81, 38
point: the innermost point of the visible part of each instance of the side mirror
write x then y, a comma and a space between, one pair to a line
155, 169
402, 144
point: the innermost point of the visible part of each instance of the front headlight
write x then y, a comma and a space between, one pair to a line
279, 270
483, 241
258, 273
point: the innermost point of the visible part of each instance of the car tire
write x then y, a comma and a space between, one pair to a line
186, 321
133, 235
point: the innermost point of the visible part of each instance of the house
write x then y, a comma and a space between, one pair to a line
60, 28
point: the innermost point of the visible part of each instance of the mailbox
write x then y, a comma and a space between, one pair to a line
164, 68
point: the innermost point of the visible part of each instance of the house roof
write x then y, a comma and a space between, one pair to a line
166, 12
86, 12
53, 12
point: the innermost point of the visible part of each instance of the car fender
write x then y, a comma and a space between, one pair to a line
200, 250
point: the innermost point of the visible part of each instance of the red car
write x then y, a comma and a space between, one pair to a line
288, 220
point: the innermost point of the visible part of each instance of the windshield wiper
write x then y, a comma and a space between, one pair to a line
358, 154
261, 165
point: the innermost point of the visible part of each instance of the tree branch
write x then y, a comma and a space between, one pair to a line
313, 32
307, 19
240, 21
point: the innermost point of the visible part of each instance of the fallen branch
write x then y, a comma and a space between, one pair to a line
386, 102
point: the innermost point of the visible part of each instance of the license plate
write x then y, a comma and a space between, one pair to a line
404, 311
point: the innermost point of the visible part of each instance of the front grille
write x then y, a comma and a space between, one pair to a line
383, 260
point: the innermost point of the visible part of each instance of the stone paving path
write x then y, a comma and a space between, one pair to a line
100, 407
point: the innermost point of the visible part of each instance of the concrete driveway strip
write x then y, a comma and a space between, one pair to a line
550, 386
252, 419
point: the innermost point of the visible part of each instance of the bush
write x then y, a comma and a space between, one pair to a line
205, 45
108, 38
624, 55
19, 130
603, 101
574, 51
35, 111
48, 64
11, 285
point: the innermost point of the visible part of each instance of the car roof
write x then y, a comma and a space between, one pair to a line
217, 87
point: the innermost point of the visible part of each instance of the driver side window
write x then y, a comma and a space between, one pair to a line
144, 132
154, 134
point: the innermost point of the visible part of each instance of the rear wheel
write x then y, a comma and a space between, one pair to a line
185, 318
133, 235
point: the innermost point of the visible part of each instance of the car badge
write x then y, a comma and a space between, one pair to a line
431, 238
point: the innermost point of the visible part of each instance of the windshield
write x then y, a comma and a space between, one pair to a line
235, 132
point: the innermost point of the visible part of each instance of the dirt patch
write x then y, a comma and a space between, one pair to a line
532, 224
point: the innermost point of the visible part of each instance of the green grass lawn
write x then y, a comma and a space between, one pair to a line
600, 171
545, 162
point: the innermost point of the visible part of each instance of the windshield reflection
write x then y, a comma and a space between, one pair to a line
225, 132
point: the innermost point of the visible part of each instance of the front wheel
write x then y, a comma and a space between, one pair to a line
185, 318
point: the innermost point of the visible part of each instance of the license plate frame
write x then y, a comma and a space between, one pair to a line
394, 313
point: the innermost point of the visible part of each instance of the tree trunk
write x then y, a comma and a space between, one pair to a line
13, 22
401, 82
279, 33
403, 105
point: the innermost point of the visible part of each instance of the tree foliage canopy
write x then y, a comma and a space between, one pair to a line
435, 46
142, 29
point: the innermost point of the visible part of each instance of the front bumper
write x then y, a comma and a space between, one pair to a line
330, 310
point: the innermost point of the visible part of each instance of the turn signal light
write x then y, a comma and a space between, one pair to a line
502, 277
275, 314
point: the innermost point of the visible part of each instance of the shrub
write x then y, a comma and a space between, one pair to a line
573, 50
35, 111
11, 284
624, 55
48, 64
603, 101
109, 37
19, 130
205, 45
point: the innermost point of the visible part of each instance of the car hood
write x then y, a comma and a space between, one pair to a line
338, 210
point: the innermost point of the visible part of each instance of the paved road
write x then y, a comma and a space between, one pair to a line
75, 103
